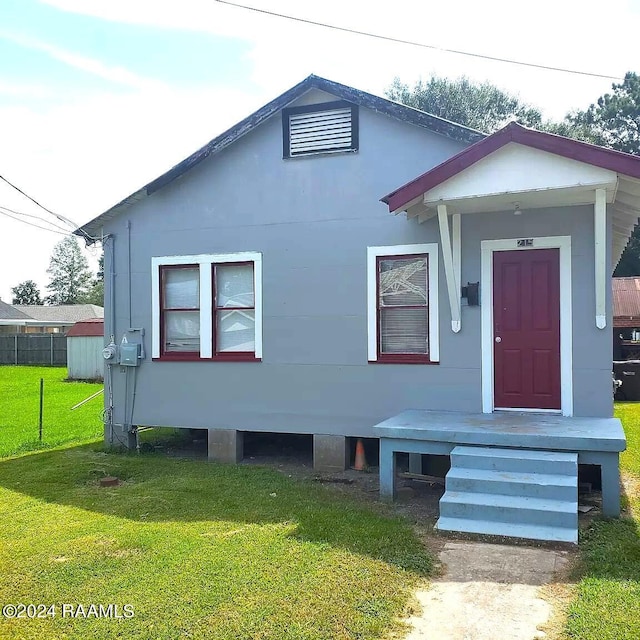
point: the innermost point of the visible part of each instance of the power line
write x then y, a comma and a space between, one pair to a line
31, 224
417, 44
61, 218
29, 215
28, 196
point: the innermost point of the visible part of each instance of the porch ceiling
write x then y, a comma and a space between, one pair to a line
623, 199
523, 200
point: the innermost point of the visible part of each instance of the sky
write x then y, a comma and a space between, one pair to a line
99, 97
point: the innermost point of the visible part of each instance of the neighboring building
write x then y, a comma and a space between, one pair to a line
268, 289
626, 302
626, 318
29, 318
11, 318
85, 341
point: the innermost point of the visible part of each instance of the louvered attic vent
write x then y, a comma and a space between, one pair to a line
328, 127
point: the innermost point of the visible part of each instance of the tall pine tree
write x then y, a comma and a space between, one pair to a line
69, 271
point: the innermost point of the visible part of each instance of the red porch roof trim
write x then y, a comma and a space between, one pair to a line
574, 149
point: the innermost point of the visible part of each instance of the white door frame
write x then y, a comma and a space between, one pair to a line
566, 327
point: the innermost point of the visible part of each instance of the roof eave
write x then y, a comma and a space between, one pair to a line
37, 323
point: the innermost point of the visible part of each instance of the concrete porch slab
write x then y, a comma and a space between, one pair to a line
521, 430
596, 441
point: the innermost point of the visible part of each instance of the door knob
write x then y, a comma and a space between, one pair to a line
498, 339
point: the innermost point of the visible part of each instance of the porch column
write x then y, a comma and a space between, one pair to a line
600, 234
415, 463
449, 268
610, 476
387, 469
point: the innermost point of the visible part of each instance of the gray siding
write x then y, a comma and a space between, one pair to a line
312, 219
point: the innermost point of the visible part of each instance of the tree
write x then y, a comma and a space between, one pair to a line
95, 295
26, 292
70, 275
614, 120
480, 106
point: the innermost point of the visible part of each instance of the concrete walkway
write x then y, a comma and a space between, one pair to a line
487, 592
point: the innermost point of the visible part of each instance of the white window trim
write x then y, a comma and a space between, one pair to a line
204, 261
431, 249
566, 323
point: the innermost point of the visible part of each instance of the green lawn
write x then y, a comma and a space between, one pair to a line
199, 550
20, 403
607, 606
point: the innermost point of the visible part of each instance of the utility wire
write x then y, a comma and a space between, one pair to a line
61, 218
28, 196
30, 215
417, 44
31, 224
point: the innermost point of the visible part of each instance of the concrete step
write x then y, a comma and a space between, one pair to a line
511, 529
506, 508
514, 483
521, 460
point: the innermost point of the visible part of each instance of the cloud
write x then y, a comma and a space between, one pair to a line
79, 158
23, 90
284, 51
118, 75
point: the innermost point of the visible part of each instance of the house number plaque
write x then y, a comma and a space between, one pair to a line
525, 242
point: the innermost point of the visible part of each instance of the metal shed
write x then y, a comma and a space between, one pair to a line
85, 341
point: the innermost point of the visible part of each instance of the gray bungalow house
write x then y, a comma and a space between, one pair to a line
267, 284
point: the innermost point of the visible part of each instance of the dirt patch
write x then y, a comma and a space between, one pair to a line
417, 501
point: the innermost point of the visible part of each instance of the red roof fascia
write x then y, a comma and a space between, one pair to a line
574, 149
87, 328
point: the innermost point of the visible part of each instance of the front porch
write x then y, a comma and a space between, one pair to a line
512, 473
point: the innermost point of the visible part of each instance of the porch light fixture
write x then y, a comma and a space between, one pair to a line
516, 209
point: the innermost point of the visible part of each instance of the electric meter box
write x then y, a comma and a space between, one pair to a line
130, 354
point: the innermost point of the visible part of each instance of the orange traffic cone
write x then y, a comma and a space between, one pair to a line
361, 462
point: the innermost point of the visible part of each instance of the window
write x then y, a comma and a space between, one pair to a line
207, 307
234, 309
328, 127
180, 309
403, 304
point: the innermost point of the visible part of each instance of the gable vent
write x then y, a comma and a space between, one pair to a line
320, 129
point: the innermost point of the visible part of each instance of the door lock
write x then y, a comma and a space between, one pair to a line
498, 339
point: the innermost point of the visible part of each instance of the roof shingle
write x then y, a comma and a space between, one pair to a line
64, 313
9, 312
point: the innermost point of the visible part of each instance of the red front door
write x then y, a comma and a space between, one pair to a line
526, 329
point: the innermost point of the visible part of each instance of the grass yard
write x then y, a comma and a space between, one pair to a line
607, 606
199, 550
20, 403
